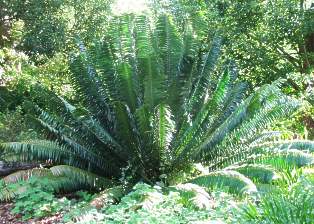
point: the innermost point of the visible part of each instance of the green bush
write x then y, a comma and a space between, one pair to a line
14, 128
147, 204
35, 199
150, 105
292, 204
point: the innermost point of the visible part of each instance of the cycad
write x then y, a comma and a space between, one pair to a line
151, 103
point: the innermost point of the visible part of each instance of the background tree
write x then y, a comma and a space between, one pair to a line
51, 26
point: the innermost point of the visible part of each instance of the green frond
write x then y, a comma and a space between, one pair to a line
43, 150
88, 85
235, 96
247, 127
126, 85
86, 127
233, 181
154, 83
65, 184
104, 63
143, 38
268, 136
17, 183
144, 124
170, 49
305, 145
273, 108
181, 86
93, 126
51, 124
195, 195
121, 34
206, 116
39, 150
59, 178
168, 45
204, 80
62, 177
144, 127
257, 172
285, 158
26, 174
126, 130
81, 177
127, 78
190, 44
163, 130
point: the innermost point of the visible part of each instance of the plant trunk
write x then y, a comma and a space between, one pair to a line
8, 168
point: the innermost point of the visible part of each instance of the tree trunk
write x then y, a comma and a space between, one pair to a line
8, 168
307, 52
309, 124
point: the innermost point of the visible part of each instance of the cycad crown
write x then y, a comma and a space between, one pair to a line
150, 103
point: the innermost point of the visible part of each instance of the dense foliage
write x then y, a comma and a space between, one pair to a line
170, 109
186, 112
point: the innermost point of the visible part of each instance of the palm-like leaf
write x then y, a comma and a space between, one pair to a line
234, 181
196, 195
260, 173
163, 127
151, 102
285, 158
61, 178
25, 175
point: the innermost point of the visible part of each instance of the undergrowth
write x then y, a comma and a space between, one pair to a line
286, 200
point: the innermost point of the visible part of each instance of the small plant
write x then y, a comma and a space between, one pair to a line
80, 207
147, 204
85, 196
36, 200
292, 204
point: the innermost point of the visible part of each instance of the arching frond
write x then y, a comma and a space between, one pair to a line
203, 80
168, 45
286, 158
206, 116
88, 85
306, 145
39, 150
258, 172
163, 130
61, 178
232, 180
94, 127
196, 195
26, 174
237, 144
81, 176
